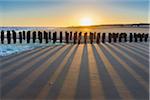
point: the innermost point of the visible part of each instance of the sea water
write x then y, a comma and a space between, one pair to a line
8, 49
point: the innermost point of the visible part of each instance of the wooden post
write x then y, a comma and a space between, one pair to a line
28, 36
8, 37
135, 37
120, 37
34, 36
110, 37
103, 37
40, 36
61, 36
125, 37
91, 37
20, 37
115, 36
71, 35
94, 35
24, 35
49, 36
67, 37
131, 37
75, 37
85, 37
46, 36
79, 37
54, 37
14, 36
98, 38
2, 37
146, 37
140, 36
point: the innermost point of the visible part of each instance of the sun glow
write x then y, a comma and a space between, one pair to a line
86, 22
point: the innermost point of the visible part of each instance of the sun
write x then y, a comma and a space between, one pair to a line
86, 22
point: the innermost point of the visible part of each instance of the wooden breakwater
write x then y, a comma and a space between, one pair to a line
70, 37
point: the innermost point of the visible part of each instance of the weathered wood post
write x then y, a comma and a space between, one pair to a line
146, 37
110, 37
85, 37
20, 37
120, 37
71, 35
34, 36
8, 37
40, 36
125, 37
75, 37
91, 37
103, 37
14, 36
24, 35
131, 37
79, 37
135, 37
28, 36
67, 37
61, 36
140, 36
49, 36
98, 38
2, 37
54, 37
115, 36
94, 35
46, 36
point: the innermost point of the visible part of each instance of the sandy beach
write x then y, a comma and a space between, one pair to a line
85, 72
74, 49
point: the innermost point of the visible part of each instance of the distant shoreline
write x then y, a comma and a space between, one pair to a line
139, 25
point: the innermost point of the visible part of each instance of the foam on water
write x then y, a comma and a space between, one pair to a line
7, 49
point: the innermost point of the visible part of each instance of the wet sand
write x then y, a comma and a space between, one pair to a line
83, 72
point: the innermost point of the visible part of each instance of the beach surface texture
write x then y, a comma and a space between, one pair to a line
87, 71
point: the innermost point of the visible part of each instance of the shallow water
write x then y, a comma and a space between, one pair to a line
8, 49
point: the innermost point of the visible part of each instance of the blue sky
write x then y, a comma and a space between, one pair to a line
67, 12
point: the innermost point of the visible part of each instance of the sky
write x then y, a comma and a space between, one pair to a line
59, 13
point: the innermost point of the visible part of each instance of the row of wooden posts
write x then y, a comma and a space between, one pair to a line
75, 37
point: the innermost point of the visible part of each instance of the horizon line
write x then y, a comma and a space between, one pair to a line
80, 25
